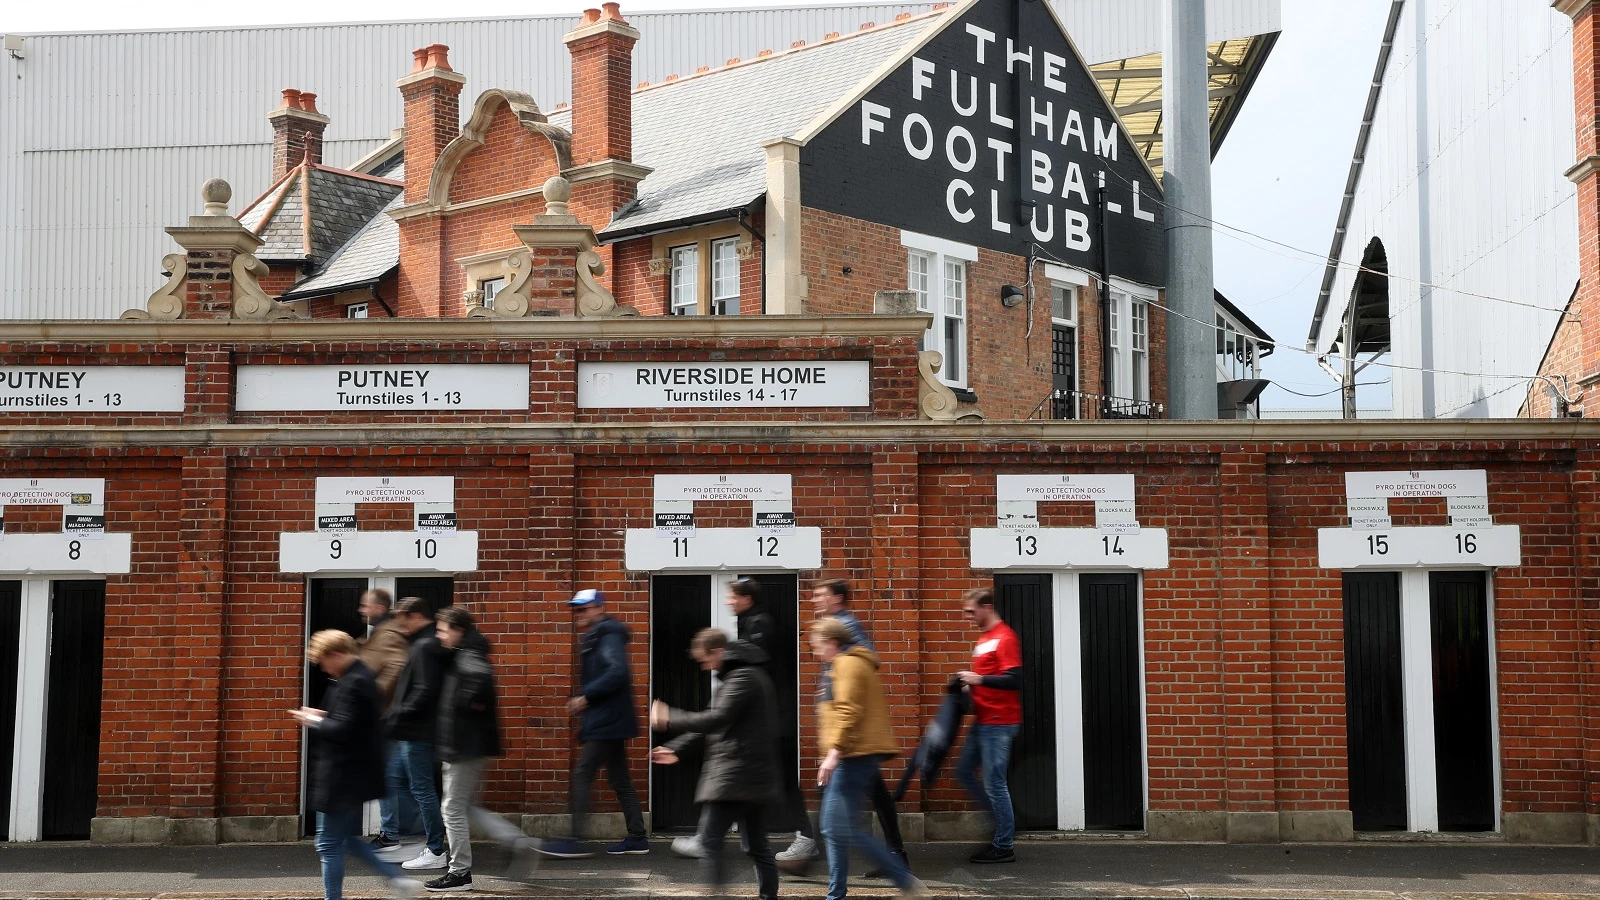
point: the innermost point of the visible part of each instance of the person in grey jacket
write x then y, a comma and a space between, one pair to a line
739, 781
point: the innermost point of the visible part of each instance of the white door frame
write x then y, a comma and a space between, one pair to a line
1416, 666
1067, 619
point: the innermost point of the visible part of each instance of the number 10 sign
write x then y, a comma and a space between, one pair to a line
1068, 548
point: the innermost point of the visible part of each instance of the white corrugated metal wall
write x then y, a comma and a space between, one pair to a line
106, 138
1490, 213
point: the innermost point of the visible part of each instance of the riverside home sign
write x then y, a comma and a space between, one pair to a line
999, 112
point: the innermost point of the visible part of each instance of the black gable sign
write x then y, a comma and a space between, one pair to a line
934, 148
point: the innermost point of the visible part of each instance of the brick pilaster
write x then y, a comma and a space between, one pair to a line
550, 564
1245, 602
195, 638
894, 601
1586, 511
1586, 172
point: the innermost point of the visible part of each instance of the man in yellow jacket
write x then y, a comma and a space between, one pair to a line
855, 739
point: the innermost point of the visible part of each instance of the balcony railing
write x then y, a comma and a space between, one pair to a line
1084, 405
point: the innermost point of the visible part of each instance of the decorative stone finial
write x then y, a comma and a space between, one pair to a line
216, 193
557, 191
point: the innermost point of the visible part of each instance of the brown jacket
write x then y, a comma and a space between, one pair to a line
384, 652
856, 720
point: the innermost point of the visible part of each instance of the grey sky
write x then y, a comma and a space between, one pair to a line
1280, 174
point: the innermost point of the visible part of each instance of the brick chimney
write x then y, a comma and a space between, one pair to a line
296, 132
602, 86
1585, 173
432, 117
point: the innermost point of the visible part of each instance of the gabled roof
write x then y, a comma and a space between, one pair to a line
702, 135
314, 210
372, 253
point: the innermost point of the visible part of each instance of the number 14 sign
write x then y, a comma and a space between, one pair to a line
1068, 548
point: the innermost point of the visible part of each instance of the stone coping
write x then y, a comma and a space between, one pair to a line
555, 328
1135, 436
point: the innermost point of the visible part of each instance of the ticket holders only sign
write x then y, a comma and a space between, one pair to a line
101, 389
785, 384
382, 387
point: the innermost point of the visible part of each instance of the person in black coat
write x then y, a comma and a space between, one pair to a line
607, 719
469, 735
412, 723
347, 766
740, 778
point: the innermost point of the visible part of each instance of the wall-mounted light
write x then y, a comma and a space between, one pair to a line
13, 45
1010, 295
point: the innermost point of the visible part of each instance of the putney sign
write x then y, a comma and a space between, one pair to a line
994, 133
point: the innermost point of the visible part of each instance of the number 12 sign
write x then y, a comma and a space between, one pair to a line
1068, 548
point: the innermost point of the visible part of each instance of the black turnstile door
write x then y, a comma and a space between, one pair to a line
780, 592
1025, 603
1374, 701
680, 605
1463, 731
1113, 736
438, 591
334, 603
10, 623
72, 716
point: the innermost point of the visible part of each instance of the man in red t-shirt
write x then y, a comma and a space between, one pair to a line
995, 683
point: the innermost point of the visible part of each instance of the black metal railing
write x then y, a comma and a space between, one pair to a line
1084, 405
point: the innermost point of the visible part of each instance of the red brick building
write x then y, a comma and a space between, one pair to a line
1239, 631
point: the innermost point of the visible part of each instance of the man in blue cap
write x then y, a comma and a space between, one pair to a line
608, 718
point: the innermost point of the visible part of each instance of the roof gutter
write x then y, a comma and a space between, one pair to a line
330, 291
1252, 65
1354, 178
644, 231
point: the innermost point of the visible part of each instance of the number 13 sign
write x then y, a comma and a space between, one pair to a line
1068, 548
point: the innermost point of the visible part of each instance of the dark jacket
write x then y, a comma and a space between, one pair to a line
347, 767
757, 627
937, 740
606, 683
739, 732
414, 711
469, 717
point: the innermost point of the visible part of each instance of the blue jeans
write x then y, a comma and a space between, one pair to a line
413, 774
398, 809
842, 802
989, 747
340, 831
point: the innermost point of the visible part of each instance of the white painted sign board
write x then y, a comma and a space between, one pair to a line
1064, 487
408, 489
1400, 548
52, 491
463, 386
1417, 483
98, 389
65, 554
377, 551
776, 384
723, 548
1068, 548
722, 487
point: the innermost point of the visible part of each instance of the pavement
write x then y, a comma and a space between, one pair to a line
1132, 869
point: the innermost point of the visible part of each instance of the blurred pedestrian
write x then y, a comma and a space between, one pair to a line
607, 720
469, 736
412, 724
739, 780
995, 685
347, 765
856, 740
383, 651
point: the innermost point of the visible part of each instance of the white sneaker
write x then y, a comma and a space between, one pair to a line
803, 848
688, 847
399, 852
915, 889
427, 859
404, 889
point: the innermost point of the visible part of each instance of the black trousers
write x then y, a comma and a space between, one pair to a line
614, 756
717, 816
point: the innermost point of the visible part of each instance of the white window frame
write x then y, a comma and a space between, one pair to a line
490, 288
725, 283
1124, 295
1232, 342
683, 284
932, 298
356, 310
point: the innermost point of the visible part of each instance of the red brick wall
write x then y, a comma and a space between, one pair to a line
1564, 357
1243, 650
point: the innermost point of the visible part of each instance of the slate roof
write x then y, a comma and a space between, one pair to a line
702, 134
313, 211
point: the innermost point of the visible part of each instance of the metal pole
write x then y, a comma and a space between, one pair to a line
1191, 346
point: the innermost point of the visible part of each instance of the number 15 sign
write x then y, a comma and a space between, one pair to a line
1068, 548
